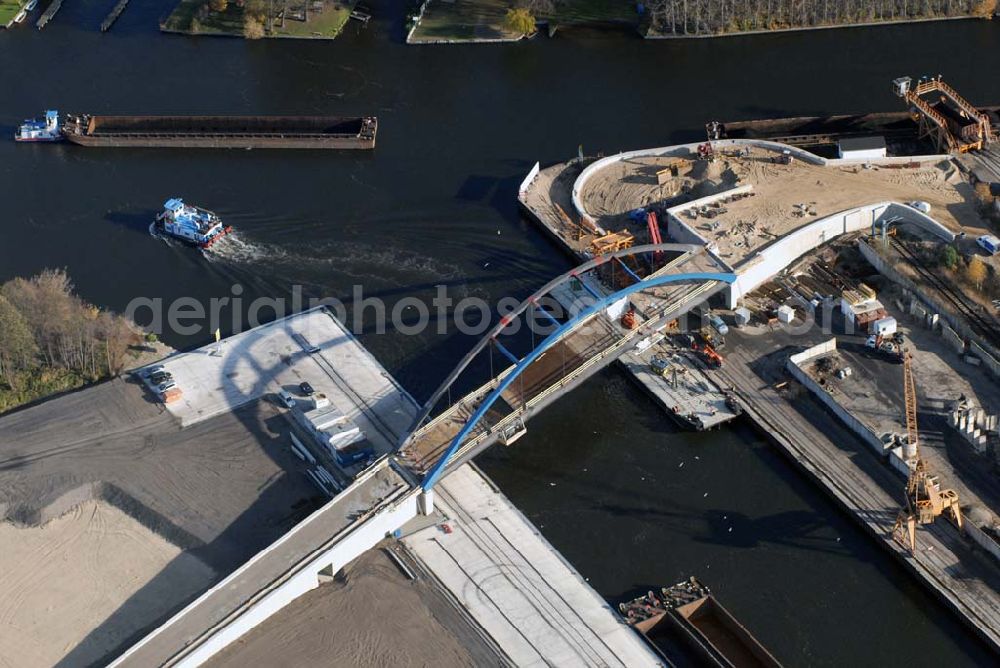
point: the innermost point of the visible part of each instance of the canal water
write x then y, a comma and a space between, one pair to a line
631, 501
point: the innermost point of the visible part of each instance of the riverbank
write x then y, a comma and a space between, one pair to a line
51, 341
569, 201
322, 19
482, 21
9, 9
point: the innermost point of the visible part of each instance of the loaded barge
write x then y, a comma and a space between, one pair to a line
315, 132
900, 129
689, 610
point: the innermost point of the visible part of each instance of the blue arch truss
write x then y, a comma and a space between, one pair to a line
439, 467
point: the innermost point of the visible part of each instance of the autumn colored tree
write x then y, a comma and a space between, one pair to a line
218, 5
975, 272
253, 28
520, 21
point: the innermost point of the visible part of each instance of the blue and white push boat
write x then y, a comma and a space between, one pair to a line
40, 130
190, 224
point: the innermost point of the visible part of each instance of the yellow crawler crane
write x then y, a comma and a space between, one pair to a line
925, 500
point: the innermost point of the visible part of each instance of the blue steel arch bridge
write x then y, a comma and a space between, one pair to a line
578, 325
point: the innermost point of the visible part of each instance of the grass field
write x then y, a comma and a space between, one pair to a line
483, 19
326, 19
9, 9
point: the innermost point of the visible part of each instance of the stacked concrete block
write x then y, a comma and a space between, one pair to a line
973, 424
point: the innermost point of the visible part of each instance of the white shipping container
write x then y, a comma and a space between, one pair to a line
786, 314
884, 327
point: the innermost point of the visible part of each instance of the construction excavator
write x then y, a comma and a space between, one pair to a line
925, 500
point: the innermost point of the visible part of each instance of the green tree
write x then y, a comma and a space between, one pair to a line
949, 257
218, 5
975, 273
17, 345
519, 21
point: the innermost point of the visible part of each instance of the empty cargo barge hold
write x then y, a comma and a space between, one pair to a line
317, 132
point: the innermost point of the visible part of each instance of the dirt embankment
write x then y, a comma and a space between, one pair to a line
371, 616
77, 587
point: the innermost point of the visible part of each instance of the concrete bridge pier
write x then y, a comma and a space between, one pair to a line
425, 502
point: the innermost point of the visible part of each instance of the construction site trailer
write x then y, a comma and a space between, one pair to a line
861, 148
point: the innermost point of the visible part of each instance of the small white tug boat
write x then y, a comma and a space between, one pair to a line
40, 130
189, 223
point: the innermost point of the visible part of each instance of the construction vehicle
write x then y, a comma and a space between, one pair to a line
659, 365
712, 338
707, 354
629, 320
885, 344
925, 500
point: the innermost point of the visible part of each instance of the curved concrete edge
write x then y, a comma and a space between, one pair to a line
680, 150
687, 150
769, 261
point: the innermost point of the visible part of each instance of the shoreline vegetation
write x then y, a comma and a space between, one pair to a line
467, 21
52, 341
259, 19
9, 9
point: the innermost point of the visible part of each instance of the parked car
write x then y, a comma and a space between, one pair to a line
989, 243
286, 399
307, 389
718, 324
163, 387
152, 370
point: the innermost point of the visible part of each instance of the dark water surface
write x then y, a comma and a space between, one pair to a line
600, 472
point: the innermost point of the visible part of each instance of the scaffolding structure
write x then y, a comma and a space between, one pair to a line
950, 121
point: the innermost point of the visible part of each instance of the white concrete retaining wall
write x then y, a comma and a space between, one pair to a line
528, 180
766, 263
794, 366
954, 324
356, 539
982, 539
679, 151
687, 150
361, 539
953, 339
989, 361
897, 462
808, 354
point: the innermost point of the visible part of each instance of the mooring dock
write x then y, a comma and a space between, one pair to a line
870, 492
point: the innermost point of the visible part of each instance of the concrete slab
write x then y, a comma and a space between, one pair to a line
312, 346
516, 586
694, 400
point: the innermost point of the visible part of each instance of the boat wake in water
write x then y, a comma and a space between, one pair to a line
332, 263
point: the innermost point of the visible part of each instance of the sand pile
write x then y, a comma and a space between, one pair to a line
80, 585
